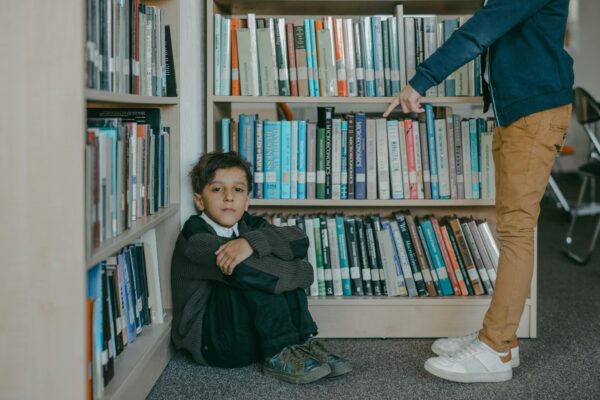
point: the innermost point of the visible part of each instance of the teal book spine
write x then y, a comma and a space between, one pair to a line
343, 254
431, 148
225, 126
474, 136
302, 126
436, 258
286, 159
272, 154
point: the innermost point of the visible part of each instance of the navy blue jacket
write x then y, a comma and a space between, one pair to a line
529, 71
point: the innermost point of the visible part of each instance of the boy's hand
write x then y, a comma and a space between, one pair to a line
232, 253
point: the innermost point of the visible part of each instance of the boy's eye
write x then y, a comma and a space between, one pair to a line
216, 189
240, 190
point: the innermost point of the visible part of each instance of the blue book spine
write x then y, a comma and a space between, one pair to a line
259, 161
225, 126
272, 154
309, 59
436, 257
344, 180
127, 290
343, 253
313, 46
378, 56
401, 283
474, 157
302, 126
246, 137
161, 168
286, 159
94, 280
431, 147
360, 156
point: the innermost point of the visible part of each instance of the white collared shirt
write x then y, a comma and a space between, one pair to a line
221, 230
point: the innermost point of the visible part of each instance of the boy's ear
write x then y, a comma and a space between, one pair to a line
198, 202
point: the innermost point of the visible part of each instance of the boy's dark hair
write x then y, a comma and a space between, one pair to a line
204, 171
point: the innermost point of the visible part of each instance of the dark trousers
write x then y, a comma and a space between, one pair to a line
242, 325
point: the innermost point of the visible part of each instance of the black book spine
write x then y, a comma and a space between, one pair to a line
170, 64
326, 256
376, 223
117, 318
378, 282
108, 370
368, 284
353, 259
412, 256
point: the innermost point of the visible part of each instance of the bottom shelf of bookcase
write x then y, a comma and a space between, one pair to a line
399, 317
138, 367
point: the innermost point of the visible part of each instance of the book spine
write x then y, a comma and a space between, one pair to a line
335, 257
367, 49
353, 256
311, 160
336, 159
420, 256
327, 262
320, 276
383, 172
259, 174
349, 53
443, 251
309, 58
465, 254
340, 57
376, 225
302, 58
225, 71
474, 157
453, 262
391, 264
432, 150
281, 54
409, 280
253, 55
485, 279
286, 159
367, 279
311, 255
487, 261
373, 263
235, 64
394, 58
328, 151
360, 160
436, 257
350, 119
217, 48
272, 154
395, 163
461, 264
371, 158
344, 160
313, 43
225, 126
412, 256
378, 56
294, 161
401, 46
343, 255
291, 49
302, 127
387, 67
360, 70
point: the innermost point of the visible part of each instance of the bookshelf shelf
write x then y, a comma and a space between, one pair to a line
369, 203
138, 228
476, 100
354, 317
141, 361
101, 96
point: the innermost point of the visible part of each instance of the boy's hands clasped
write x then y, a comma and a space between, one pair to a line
232, 253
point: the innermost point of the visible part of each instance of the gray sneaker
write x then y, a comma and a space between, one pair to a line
339, 366
294, 364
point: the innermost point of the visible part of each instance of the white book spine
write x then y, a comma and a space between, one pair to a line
404, 159
154, 292
488, 186
442, 158
489, 243
225, 83
383, 172
371, 159
404, 262
466, 146
349, 55
253, 54
394, 154
401, 41
217, 55
430, 44
336, 158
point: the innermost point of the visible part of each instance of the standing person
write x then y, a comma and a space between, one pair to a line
528, 80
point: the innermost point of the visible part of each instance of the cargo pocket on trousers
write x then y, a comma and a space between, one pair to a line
560, 134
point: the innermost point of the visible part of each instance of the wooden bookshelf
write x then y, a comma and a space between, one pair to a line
364, 316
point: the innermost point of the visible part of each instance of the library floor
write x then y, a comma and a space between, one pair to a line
562, 363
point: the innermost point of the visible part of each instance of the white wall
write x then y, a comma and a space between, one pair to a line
192, 94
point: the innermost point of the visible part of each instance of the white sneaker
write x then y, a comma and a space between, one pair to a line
453, 344
475, 363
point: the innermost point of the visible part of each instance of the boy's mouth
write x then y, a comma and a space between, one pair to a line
229, 209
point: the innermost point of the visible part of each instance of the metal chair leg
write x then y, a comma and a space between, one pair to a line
562, 201
585, 258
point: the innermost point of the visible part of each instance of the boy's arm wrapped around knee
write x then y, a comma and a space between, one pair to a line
271, 274
286, 242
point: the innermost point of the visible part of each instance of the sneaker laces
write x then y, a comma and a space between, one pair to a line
294, 355
469, 336
467, 351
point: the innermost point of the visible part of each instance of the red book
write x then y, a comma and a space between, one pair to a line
236, 23
449, 269
411, 159
452, 257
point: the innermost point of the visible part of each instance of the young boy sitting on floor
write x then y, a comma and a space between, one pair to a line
238, 283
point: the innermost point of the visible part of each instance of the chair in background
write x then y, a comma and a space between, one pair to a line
587, 111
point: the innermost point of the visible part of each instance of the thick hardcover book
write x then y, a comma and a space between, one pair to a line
443, 251
354, 262
394, 59
411, 163
488, 185
246, 136
291, 52
225, 71
465, 254
458, 157
404, 265
311, 160
485, 279
350, 119
326, 63
451, 153
487, 261
245, 62
490, 243
390, 263
377, 278
412, 256
466, 149
420, 255
378, 56
236, 23
320, 275
474, 142
225, 126
344, 166
301, 58
376, 224
360, 156
403, 159
265, 40
170, 65
327, 263
436, 257
361, 238
347, 277
461, 263
340, 57
272, 154
453, 259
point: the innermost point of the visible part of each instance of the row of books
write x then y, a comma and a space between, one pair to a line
128, 48
397, 255
332, 56
127, 170
438, 156
123, 297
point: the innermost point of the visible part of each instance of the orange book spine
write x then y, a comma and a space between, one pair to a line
449, 269
453, 261
410, 159
340, 60
291, 50
318, 27
236, 23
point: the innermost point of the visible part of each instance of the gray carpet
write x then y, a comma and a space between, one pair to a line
562, 363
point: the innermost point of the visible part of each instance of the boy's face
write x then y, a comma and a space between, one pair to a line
225, 198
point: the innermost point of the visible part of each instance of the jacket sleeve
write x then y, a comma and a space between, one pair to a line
487, 25
286, 243
268, 273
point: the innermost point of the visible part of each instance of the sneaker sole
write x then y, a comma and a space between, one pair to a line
340, 370
312, 376
471, 377
514, 354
